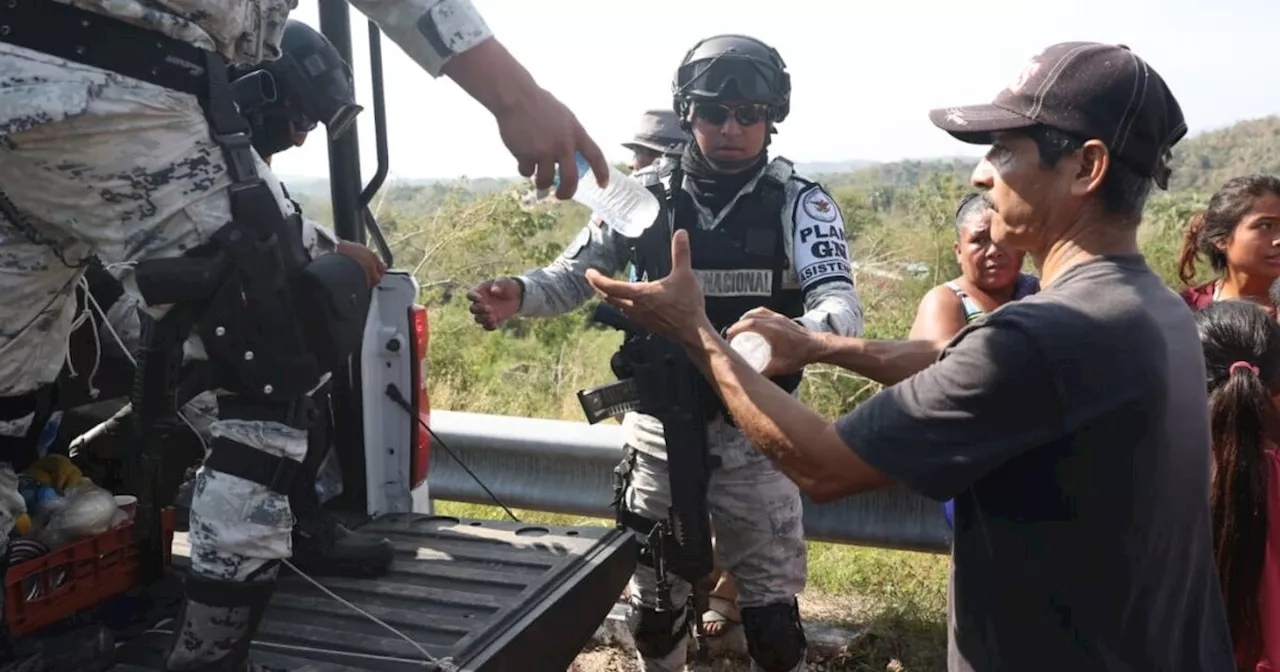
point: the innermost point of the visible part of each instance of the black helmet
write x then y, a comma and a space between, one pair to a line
733, 67
308, 83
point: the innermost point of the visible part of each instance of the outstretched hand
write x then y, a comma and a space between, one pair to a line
495, 301
672, 307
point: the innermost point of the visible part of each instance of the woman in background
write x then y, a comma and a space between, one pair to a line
1242, 363
990, 276
1239, 234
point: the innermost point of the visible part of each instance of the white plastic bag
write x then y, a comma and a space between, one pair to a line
86, 510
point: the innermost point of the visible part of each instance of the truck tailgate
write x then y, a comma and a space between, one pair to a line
488, 595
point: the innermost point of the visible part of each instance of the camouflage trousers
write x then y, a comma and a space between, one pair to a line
98, 163
756, 514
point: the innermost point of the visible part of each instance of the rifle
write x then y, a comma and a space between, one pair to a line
656, 378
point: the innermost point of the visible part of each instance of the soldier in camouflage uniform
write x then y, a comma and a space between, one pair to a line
94, 162
730, 91
321, 544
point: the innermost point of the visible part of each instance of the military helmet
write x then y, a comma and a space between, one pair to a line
319, 80
310, 83
733, 67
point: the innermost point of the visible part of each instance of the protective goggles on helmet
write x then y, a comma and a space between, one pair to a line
324, 97
321, 89
730, 77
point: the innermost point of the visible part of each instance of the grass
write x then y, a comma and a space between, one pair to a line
900, 597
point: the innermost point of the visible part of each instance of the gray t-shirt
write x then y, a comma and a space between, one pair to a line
1072, 429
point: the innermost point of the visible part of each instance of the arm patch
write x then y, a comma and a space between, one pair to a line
819, 247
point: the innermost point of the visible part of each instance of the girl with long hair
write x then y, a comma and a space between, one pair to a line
1242, 363
1239, 234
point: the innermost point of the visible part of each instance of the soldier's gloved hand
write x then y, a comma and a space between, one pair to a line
372, 264
792, 347
495, 301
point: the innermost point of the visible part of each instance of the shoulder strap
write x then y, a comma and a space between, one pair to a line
968, 305
779, 171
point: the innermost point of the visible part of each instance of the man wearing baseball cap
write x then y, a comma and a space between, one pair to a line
1071, 427
659, 136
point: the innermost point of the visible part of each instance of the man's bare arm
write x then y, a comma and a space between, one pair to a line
886, 362
803, 444
493, 77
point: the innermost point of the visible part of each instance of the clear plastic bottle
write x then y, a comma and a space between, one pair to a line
625, 204
753, 348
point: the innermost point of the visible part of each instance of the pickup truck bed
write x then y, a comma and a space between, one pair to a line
488, 595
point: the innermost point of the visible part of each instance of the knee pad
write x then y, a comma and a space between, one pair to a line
657, 633
775, 638
251, 463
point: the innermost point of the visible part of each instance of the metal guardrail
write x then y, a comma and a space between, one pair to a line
567, 467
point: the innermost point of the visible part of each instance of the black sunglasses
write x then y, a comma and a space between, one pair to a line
717, 113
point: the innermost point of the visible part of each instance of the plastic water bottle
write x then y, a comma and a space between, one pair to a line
625, 204
49, 433
754, 348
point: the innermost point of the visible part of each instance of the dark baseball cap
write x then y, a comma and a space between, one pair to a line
1090, 91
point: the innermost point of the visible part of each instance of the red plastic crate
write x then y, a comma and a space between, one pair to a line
56, 585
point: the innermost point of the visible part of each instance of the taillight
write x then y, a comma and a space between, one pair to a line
421, 453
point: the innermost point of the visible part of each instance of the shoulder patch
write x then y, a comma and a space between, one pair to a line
819, 247
818, 205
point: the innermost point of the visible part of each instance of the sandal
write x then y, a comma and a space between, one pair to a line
720, 616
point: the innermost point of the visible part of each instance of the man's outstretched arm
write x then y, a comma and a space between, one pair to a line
934, 432
886, 362
795, 347
804, 445
450, 38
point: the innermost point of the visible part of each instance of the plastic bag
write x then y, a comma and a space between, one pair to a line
86, 510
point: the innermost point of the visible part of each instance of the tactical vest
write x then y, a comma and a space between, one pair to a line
741, 262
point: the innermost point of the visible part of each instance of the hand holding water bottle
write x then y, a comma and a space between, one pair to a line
536, 127
543, 133
772, 343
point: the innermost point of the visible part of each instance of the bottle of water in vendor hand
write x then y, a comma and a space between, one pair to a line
753, 348
625, 205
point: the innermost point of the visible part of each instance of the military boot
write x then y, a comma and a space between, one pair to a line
217, 624
322, 546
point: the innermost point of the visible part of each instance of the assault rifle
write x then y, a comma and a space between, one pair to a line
656, 378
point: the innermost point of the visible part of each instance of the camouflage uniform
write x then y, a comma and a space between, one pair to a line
99, 163
756, 510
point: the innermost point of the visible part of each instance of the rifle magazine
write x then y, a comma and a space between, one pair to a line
609, 400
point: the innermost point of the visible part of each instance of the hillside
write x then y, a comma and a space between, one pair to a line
1203, 163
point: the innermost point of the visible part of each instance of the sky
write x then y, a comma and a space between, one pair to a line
864, 74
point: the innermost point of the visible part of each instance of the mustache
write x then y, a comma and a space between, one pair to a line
987, 202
